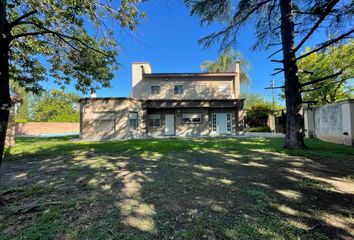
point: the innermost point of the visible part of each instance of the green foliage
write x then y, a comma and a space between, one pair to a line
225, 61
336, 58
260, 129
252, 99
258, 114
54, 41
55, 106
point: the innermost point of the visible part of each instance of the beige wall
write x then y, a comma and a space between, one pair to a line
191, 129
116, 114
141, 87
211, 90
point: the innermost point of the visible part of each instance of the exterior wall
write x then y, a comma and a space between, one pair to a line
41, 128
137, 76
141, 84
331, 122
189, 88
191, 129
113, 111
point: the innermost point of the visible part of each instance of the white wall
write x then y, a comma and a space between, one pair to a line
331, 122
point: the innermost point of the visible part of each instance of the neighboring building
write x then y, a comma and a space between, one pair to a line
167, 104
10, 132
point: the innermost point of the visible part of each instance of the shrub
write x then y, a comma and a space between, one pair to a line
257, 116
260, 129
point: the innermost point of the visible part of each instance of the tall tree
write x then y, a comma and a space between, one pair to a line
325, 63
55, 106
277, 23
224, 62
67, 40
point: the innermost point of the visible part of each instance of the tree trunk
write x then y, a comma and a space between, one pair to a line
5, 101
294, 124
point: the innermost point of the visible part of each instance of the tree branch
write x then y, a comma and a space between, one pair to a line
273, 74
233, 23
326, 44
275, 53
19, 19
305, 71
60, 35
328, 9
321, 79
339, 81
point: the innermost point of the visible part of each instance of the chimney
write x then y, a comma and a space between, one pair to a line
237, 81
138, 69
93, 93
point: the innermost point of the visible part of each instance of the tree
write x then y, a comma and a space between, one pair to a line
224, 62
277, 22
321, 64
257, 115
55, 106
252, 99
69, 38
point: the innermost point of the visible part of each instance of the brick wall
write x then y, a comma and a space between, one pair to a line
39, 128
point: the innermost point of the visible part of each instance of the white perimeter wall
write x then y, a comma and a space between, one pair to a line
331, 122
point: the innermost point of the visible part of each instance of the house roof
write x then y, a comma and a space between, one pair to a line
187, 75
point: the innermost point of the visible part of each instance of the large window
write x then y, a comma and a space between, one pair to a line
155, 89
154, 120
191, 118
133, 120
178, 89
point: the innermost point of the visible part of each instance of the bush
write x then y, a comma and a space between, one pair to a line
260, 129
257, 116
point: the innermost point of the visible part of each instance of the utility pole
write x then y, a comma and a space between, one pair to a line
273, 101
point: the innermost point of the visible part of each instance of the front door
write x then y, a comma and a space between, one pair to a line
169, 124
221, 123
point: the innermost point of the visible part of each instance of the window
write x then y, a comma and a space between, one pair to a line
104, 125
191, 118
154, 120
214, 122
155, 89
223, 88
178, 89
228, 122
133, 120
200, 88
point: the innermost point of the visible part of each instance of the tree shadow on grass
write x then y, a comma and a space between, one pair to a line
223, 188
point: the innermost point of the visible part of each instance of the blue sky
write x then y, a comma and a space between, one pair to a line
167, 39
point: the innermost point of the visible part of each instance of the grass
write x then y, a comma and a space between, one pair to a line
216, 188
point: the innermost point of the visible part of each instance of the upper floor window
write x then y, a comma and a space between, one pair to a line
200, 88
178, 89
155, 89
133, 120
223, 88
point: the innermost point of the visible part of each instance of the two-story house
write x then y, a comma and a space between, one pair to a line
167, 104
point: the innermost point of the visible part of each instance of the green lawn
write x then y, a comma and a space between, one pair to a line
217, 188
